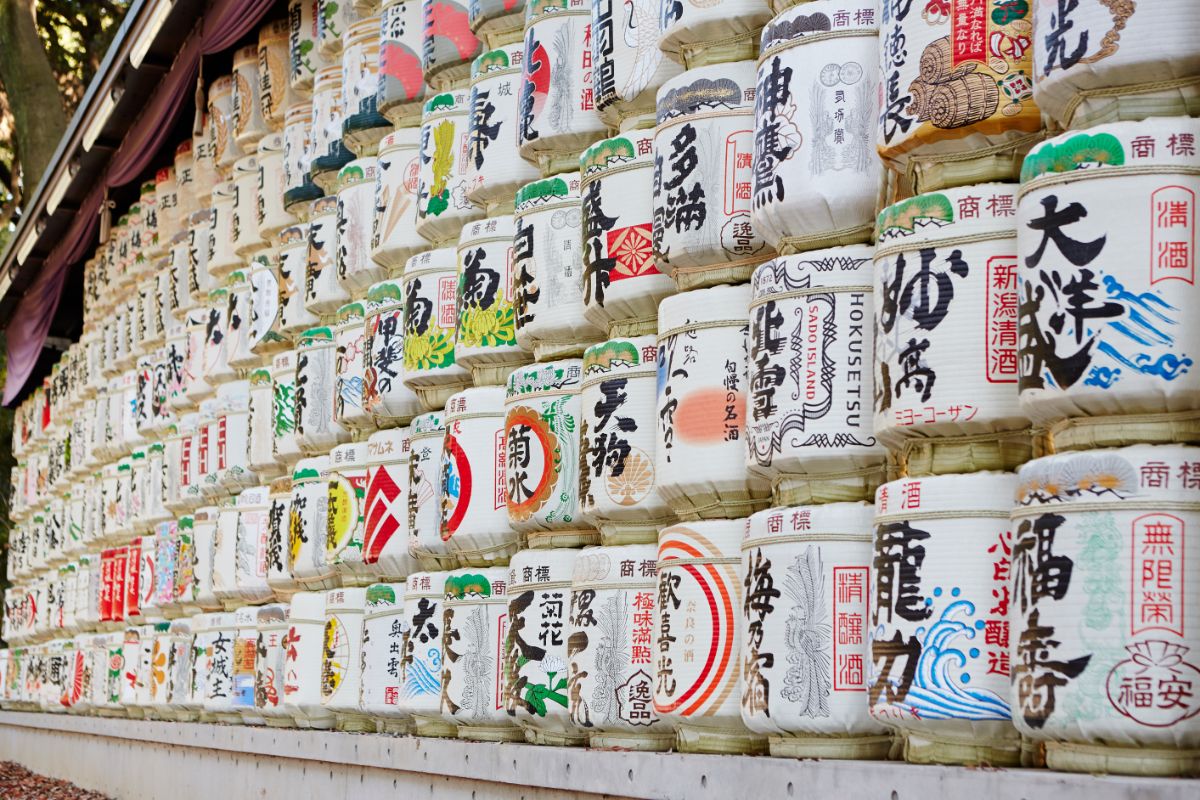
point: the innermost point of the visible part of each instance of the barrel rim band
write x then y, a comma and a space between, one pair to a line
700, 326
817, 478
421, 273
797, 293
1072, 423
882, 251
1007, 146
535, 395
752, 261
555, 206
476, 242
686, 49
964, 514
1122, 504
1058, 178
474, 415
718, 561
1126, 89
525, 587
798, 538
485, 551
493, 73
682, 118
608, 172
474, 600
608, 376
557, 14
440, 432
820, 36
614, 587
799, 244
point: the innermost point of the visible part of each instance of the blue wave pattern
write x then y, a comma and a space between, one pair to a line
1145, 326
939, 689
424, 676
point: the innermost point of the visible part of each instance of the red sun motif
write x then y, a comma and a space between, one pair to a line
633, 250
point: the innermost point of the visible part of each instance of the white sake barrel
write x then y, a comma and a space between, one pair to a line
179, 466
245, 662
153, 243
535, 659
699, 640
252, 551
285, 444
195, 387
238, 318
611, 650
187, 192
364, 125
430, 319
943, 261
385, 397
245, 207
385, 534
328, 112
548, 293
809, 426
305, 59
260, 454
349, 410
180, 655
249, 124
384, 632
401, 83
204, 535
474, 640
303, 660
274, 94
294, 317
394, 237
442, 204
804, 626
222, 258
198, 283
1107, 271
542, 467
308, 525
355, 212
224, 555
272, 624
474, 513
323, 293
421, 689
713, 33
496, 21
271, 215
621, 282
166, 556
156, 705
131, 673
938, 673
218, 689
447, 43
1098, 62
629, 66
956, 91
279, 565
1099, 682
166, 198
233, 437
153, 510
486, 337
298, 154
817, 180
316, 383
346, 511
493, 175
214, 359
425, 496
173, 363
222, 125
617, 483
702, 398
341, 662
704, 233
333, 21
558, 117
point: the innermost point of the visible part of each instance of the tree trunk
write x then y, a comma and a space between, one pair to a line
32, 91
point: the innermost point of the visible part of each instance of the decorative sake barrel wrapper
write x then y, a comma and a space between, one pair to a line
421, 690
341, 658
1099, 61
535, 654
558, 117
356, 271
430, 318
384, 632
204, 165
317, 428
425, 543
266, 320
447, 43
245, 665
304, 660
272, 215
610, 648
621, 282
542, 432
308, 525
943, 261
197, 284
363, 125
817, 178
329, 155
493, 175
185, 178
939, 670
323, 292
700, 451
346, 510
474, 511
394, 237
810, 425
279, 568
273, 67
1107, 246
221, 124
237, 314
806, 571
486, 337
474, 638
698, 637
497, 22
548, 269
617, 484
294, 318
285, 444
1101, 676
713, 33
386, 400
334, 20
629, 67
401, 88
272, 623
217, 334
442, 204
703, 230
219, 701
222, 258
957, 94
299, 190
249, 124
305, 60
349, 409
386, 535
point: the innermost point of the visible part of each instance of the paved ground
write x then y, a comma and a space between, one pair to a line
18, 783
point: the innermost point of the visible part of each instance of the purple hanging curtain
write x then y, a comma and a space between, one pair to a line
225, 22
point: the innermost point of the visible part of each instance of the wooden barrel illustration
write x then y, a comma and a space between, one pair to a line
384, 632
941, 561
386, 536
493, 176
